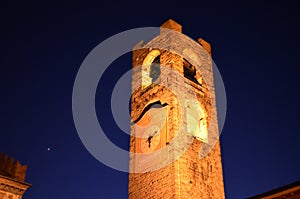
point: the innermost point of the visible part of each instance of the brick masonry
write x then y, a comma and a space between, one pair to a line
12, 178
188, 176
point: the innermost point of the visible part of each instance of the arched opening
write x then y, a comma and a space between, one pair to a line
196, 120
189, 71
156, 104
151, 68
155, 69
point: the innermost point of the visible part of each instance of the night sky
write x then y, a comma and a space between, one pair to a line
254, 44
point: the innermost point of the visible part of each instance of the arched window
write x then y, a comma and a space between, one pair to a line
151, 68
196, 120
155, 69
189, 71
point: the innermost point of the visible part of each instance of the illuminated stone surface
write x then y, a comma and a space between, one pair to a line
12, 176
189, 176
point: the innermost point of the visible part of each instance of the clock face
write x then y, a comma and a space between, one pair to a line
150, 130
151, 139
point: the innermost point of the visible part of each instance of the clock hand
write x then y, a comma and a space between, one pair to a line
149, 139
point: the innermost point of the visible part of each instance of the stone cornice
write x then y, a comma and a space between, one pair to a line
13, 186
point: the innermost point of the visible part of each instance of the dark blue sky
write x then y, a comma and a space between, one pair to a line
254, 44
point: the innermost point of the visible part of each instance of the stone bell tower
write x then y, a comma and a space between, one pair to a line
171, 125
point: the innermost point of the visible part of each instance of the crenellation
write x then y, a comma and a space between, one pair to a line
12, 177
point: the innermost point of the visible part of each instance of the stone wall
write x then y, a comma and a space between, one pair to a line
188, 176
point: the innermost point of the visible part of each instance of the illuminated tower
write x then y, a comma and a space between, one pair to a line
12, 178
159, 114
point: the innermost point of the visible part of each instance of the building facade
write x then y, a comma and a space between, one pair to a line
12, 178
